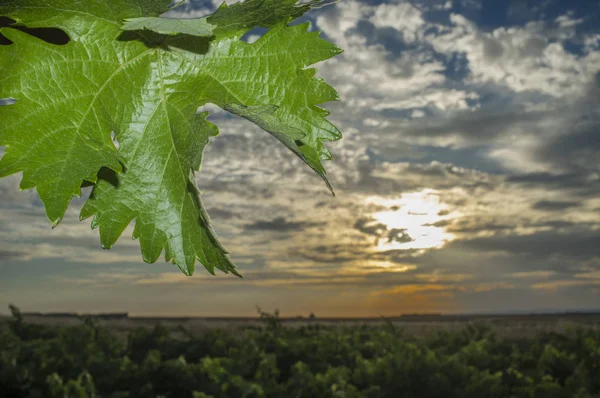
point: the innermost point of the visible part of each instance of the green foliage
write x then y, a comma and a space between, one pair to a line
234, 20
309, 361
126, 71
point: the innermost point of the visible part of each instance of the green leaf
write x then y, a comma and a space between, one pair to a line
145, 87
192, 27
234, 20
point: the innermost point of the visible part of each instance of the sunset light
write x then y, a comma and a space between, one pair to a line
410, 221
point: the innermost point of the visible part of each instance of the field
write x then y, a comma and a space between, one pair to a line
506, 326
527, 356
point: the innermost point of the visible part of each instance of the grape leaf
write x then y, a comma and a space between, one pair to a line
234, 20
168, 26
145, 86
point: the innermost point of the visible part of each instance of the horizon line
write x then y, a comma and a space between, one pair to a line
123, 314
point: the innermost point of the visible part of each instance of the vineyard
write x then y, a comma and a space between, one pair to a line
88, 360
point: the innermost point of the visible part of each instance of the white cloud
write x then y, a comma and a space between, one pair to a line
403, 17
523, 58
368, 76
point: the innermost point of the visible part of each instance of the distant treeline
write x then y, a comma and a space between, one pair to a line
111, 315
424, 317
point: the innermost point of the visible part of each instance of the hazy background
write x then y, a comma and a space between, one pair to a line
468, 180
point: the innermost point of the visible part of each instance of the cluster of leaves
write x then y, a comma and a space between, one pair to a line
113, 67
309, 361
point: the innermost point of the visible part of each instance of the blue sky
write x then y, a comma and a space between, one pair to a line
468, 179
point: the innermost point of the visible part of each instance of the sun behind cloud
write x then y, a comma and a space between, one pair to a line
411, 221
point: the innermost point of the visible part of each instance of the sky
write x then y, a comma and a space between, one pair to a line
468, 180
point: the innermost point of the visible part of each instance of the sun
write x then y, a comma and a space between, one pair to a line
411, 221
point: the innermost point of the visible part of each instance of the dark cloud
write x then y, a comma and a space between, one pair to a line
370, 226
492, 48
578, 150
575, 148
398, 235
548, 179
477, 126
471, 225
561, 224
335, 253
582, 243
549, 205
475, 225
10, 255
368, 182
280, 224
383, 178
583, 184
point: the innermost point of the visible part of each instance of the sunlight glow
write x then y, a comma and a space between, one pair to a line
409, 221
392, 266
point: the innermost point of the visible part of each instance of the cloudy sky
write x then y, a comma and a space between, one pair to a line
468, 180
